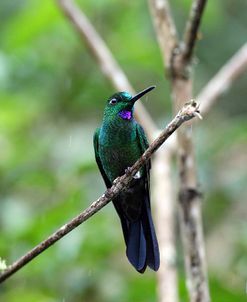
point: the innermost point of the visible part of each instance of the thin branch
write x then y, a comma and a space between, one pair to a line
189, 111
223, 79
165, 29
105, 59
190, 35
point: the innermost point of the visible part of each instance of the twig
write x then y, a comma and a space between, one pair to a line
190, 35
105, 59
188, 111
165, 29
224, 78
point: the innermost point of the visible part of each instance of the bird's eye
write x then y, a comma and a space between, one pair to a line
113, 101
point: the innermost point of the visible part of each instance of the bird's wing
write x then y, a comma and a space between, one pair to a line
97, 157
108, 184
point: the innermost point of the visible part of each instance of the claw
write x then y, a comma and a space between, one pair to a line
115, 181
127, 170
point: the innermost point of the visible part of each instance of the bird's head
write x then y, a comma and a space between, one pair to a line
122, 103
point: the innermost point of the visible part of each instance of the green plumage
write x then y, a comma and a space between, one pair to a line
118, 143
121, 144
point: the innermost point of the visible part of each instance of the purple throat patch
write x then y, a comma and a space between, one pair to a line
125, 114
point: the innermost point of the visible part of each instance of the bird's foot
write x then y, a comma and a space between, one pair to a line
115, 181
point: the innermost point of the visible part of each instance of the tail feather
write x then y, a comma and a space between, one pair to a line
142, 245
136, 246
153, 257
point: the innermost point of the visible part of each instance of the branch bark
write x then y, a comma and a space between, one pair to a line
188, 111
223, 79
103, 56
165, 29
190, 35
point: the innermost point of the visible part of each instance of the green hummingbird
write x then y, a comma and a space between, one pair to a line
118, 143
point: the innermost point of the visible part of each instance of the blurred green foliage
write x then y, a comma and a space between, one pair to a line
51, 100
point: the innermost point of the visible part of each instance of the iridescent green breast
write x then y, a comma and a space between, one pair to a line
115, 160
118, 148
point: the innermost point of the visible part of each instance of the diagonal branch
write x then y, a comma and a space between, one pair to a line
223, 79
105, 59
190, 34
165, 29
188, 111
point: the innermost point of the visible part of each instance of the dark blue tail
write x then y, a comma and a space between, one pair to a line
136, 249
142, 246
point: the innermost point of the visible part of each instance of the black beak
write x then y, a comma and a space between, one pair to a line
140, 94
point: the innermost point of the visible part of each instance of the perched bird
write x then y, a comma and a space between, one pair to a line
118, 143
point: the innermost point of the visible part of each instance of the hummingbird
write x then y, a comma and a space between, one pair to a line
118, 143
